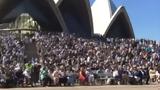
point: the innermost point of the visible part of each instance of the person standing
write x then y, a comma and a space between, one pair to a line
82, 76
146, 74
152, 73
43, 76
55, 76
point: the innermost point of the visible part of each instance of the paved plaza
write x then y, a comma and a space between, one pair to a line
150, 87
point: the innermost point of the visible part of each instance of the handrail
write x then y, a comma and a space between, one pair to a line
1, 30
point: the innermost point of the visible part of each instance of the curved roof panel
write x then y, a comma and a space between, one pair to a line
44, 12
110, 21
82, 17
120, 25
77, 15
102, 11
7, 5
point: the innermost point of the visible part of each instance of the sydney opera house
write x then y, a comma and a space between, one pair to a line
82, 17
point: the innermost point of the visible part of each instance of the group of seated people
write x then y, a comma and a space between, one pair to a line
66, 60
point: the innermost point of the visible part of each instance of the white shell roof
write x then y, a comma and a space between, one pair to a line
102, 11
56, 1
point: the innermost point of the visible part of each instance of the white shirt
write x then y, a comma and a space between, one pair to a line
157, 73
115, 73
61, 73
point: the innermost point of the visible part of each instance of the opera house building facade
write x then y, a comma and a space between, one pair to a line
81, 17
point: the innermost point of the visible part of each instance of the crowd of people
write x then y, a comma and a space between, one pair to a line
66, 60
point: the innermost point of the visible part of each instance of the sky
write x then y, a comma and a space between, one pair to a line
144, 16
